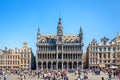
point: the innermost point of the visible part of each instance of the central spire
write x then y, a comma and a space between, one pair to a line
60, 21
59, 28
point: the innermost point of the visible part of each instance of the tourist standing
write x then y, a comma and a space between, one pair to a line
49, 75
65, 77
38, 74
119, 75
45, 76
5, 76
114, 73
85, 77
110, 75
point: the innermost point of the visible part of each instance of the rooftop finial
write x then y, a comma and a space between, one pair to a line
60, 18
24, 44
81, 31
38, 30
81, 35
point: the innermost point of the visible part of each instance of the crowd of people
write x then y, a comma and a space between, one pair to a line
59, 75
45, 74
112, 73
3, 75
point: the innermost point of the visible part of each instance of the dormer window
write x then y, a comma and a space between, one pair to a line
104, 42
100, 49
24, 50
114, 49
109, 49
104, 49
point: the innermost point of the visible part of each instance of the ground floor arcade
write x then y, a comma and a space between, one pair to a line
59, 65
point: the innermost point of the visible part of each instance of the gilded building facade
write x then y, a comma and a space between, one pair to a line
25, 57
15, 59
9, 59
59, 51
104, 54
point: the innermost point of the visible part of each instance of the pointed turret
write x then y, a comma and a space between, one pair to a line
25, 45
81, 35
59, 28
38, 33
81, 31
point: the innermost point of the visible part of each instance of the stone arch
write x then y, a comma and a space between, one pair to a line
39, 65
74, 65
60, 56
59, 65
79, 65
49, 65
70, 65
48, 56
44, 65
65, 65
45, 56
54, 65
71, 56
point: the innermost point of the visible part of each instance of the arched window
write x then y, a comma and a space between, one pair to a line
104, 55
60, 56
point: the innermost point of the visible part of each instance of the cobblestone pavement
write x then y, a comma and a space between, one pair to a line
70, 75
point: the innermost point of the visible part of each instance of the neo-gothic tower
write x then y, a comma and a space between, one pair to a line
59, 28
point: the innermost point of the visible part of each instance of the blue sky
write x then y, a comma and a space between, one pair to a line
19, 20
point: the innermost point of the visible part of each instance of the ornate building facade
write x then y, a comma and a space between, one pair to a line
9, 59
59, 51
26, 57
104, 54
16, 59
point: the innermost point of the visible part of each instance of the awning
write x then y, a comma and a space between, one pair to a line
118, 67
102, 65
113, 67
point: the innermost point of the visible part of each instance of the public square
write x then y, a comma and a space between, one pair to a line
59, 39
71, 76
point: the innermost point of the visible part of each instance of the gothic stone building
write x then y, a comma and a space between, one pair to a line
59, 51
